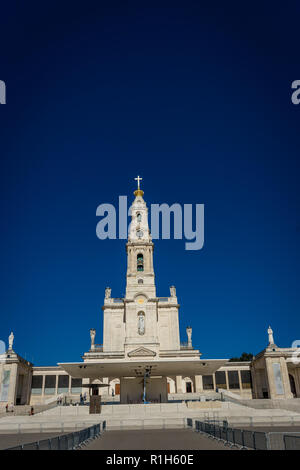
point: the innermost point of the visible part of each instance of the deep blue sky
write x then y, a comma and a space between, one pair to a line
196, 98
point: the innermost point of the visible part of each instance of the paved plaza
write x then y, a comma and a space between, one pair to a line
155, 439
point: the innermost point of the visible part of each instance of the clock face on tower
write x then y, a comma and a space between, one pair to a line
139, 233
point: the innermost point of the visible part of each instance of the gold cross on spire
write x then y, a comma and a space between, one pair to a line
138, 179
138, 191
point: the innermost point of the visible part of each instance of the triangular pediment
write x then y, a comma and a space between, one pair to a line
141, 352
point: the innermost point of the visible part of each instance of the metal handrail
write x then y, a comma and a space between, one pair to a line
244, 439
70, 441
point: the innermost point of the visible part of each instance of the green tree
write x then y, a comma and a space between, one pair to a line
244, 357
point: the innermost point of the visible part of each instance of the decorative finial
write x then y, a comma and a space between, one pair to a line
138, 191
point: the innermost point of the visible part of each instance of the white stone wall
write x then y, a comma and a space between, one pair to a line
113, 329
168, 327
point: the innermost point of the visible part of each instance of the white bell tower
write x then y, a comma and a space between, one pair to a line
140, 272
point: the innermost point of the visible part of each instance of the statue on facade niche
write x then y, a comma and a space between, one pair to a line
92, 335
10, 341
141, 324
270, 334
107, 292
173, 291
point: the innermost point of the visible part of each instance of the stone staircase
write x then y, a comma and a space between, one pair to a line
24, 410
147, 416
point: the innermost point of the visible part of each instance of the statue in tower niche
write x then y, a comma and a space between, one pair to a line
189, 335
107, 292
11, 341
270, 334
92, 335
141, 324
173, 291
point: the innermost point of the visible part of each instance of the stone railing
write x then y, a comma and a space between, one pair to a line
186, 346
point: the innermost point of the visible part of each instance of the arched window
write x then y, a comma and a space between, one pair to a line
140, 281
139, 217
140, 262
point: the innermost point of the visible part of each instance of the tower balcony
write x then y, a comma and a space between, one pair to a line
165, 301
113, 300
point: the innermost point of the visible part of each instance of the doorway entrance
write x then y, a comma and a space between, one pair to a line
292, 385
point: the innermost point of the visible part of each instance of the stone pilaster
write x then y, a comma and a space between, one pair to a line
240, 380
226, 378
179, 388
214, 381
285, 378
13, 383
198, 383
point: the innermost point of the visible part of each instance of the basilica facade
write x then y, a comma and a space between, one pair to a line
142, 358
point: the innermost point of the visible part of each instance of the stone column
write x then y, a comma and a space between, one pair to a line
253, 373
151, 259
240, 379
285, 378
56, 385
198, 383
226, 377
24, 393
146, 261
133, 263
86, 390
70, 384
43, 385
262, 381
270, 378
297, 381
29, 387
104, 390
129, 255
13, 384
214, 381
179, 384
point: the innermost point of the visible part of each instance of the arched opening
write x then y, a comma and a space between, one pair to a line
293, 385
114, 387
140, 262
171, 385
139, 217
189, 386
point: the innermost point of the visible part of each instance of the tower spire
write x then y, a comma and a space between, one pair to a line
138, 191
